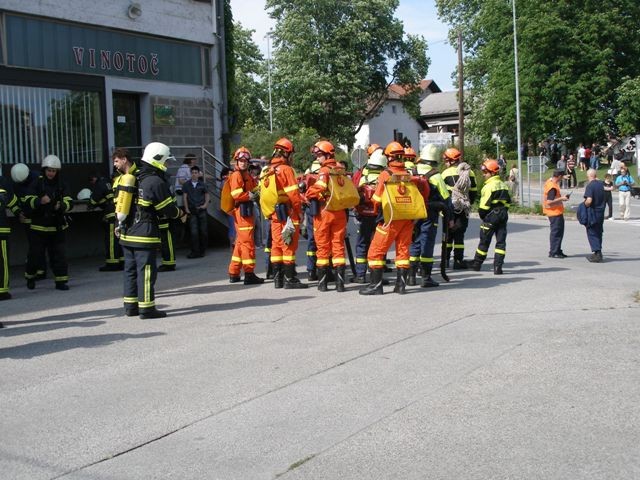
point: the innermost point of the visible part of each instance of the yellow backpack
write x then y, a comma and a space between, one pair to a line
268, 192
227, 203
402, 200
343, 193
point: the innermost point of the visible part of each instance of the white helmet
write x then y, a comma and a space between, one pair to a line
84, 194
378, 158
19, 172
51, 161
156, 154
429, 153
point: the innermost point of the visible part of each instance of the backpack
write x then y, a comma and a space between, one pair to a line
343, 193
402, 200
227, 203
268, 192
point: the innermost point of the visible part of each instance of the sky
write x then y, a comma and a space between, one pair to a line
419, 18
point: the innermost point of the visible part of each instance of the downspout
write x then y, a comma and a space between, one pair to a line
222, 72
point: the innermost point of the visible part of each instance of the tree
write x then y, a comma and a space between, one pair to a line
572, 57
334, 61
628, 118
250, 71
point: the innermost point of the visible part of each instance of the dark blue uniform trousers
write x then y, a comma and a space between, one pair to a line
556, 234
140, 273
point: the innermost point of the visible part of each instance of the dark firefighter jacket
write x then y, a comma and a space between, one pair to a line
153, 200
44, 217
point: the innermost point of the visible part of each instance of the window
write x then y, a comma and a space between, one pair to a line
35, 122
393, 109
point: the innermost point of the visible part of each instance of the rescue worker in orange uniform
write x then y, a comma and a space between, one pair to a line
399, 231
289, 207
244, 191
330, 227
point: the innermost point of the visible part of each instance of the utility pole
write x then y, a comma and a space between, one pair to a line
515, 57
460, 97
268, 35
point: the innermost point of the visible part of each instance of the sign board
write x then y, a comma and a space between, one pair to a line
537, 164
359, 157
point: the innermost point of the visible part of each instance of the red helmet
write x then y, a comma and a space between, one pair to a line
285, 145
452, 154
324, 147
410, 153
394, 149
242, 153
372, 148
490, 166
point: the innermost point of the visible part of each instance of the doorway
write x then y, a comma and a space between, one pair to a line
126, 120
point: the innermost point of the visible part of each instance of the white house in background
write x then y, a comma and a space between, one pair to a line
391, 121
439, 116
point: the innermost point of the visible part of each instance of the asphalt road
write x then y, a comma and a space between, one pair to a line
531, 375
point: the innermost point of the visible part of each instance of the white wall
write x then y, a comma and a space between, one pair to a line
380, 128
185, 19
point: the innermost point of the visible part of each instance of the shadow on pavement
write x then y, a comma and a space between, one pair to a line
47, 347
218, 307
46, 327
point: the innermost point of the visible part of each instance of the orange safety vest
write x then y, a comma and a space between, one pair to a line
556, 209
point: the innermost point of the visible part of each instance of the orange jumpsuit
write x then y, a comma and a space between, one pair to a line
329, 227
289, 195
399, 231
241, 183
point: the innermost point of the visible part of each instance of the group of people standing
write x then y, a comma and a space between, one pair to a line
397, 197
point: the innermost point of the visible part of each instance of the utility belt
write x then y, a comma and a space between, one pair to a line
282, 211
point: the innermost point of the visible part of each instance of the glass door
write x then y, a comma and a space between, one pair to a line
126, 120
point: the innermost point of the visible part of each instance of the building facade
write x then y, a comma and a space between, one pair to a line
79, 78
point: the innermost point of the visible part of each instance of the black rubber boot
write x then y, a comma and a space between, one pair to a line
252, 279
313, 274
477, 263
62, 286
358, 279
290, 279
460, 264
278, 275
413, 269
270, 271
340, 278
498, 260
234, 278
5, 296
427, 281
401, 281
375, 285
322, 279
330, 275
152, 313
131, 311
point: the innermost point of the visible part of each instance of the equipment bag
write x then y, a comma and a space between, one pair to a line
268, 193
227, 203
343, 193
402, 200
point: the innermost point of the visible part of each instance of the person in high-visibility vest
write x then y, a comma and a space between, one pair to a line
553, 208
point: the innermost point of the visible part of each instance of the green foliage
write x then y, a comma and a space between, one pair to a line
628, 103
334, 60
573, 55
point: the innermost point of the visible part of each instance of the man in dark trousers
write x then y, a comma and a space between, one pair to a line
139, 233
594, 201
196, 199
553, 208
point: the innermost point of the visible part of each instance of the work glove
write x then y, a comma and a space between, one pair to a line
288, 231
253, 196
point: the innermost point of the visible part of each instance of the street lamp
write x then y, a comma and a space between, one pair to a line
515, 57
268, 37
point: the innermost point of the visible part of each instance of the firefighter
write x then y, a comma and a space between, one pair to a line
46, 207
138, 227
410, 158
439, 202
304, 183
24, 183
494, 213
386, 233
329, 226
461, 183
8, 200
244, 191
286, 210
102, 197
367, 181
